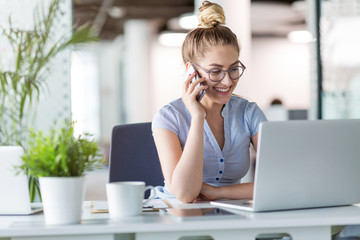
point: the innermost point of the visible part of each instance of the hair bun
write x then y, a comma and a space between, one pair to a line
210, 14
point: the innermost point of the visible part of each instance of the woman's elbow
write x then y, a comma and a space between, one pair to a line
186, 196
186, 193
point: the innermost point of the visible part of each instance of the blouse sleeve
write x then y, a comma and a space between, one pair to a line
254, 116
167, 119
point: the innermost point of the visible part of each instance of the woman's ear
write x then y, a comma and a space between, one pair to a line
187, 65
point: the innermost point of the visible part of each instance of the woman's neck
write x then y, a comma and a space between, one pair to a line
212, 109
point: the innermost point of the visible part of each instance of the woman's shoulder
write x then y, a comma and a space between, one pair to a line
175, 109
249, 113
171, 116
243, 106
239, 101
176, 105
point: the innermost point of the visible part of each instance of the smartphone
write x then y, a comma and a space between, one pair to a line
202, 92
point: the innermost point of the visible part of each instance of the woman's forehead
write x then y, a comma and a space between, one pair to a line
221, 55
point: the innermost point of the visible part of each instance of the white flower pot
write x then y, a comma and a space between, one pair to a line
62, 199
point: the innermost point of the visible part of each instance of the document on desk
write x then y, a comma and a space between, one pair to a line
152, 205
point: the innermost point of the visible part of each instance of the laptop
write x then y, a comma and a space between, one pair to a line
15, 197
304, 164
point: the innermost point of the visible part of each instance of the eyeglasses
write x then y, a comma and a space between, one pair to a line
217, 74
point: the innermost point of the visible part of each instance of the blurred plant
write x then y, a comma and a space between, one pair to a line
25, 80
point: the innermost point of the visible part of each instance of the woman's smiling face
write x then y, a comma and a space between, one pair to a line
219, 57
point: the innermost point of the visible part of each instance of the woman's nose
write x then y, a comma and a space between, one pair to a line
226, 80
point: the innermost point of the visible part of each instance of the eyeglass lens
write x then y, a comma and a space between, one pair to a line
218, 74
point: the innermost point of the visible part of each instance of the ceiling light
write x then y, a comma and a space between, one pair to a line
300, 36
172, 39
116, 12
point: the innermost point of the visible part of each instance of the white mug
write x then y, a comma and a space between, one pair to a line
125, 199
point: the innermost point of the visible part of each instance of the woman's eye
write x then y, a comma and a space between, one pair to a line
215, 71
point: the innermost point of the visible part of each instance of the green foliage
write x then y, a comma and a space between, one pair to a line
59, 154
21, 86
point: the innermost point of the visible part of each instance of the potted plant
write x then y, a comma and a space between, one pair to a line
59, 160
23, 78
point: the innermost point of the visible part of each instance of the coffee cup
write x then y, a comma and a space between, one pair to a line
126, 199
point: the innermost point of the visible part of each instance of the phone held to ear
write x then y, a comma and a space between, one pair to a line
190, 71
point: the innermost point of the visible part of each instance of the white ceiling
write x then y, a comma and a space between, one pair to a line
277, 19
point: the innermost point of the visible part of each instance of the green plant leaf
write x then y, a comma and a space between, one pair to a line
59, 153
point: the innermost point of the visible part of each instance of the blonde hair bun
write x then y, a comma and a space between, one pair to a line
210, 14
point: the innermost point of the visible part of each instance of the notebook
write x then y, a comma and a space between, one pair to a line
304, 164
15, 198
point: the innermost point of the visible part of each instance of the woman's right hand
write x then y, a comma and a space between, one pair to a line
189, 93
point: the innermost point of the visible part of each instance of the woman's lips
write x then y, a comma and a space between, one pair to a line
222, 91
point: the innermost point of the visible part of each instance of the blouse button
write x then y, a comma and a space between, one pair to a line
217, 179
221, 160
220, 172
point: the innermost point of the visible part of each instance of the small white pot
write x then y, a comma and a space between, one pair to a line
62, 199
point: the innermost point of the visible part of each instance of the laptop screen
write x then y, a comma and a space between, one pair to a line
302, 164
15, 197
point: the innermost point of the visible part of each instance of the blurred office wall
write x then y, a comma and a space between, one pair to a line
280, 70
133, 85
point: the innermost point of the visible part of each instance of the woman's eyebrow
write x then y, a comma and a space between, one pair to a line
220, 66
237, 62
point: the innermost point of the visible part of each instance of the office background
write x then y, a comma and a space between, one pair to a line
144, 71
136, 67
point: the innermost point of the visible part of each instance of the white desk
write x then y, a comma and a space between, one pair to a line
300, 224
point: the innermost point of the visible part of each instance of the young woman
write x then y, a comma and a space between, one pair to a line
203, 145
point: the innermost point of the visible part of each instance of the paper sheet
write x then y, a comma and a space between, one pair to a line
152, 205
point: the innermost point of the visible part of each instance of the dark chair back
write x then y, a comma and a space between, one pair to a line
133, 155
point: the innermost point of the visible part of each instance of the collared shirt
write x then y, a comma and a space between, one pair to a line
221, 166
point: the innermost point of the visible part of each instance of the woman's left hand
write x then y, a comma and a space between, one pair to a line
235, 191
208, 192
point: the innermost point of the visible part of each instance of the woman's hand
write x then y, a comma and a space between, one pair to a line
236, 191
189, 93
208, 193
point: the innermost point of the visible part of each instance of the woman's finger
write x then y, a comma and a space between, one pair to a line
193, 84
188, 80
198, 89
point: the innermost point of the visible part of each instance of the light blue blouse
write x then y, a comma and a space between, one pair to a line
221, 166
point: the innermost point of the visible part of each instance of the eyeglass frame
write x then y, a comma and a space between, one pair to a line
242, 66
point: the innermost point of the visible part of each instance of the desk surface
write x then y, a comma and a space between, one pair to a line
99, 223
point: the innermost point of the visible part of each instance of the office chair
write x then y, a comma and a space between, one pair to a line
133, 155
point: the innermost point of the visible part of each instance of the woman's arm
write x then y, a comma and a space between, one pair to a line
254, 141
236, 191
183, 170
